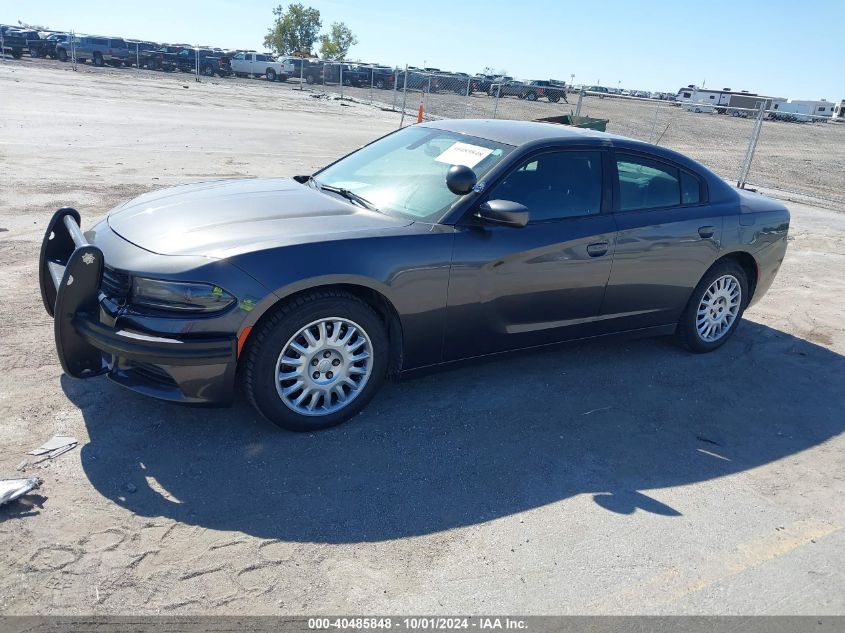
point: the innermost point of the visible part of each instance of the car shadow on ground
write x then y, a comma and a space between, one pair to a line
469, 445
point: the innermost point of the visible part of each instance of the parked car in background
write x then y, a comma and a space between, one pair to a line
210, 62
540, 88
100, 50
419, 79
142, 54
482, 83
47, 45
327, 72
252, 64
509, 88
381, 77
20, 41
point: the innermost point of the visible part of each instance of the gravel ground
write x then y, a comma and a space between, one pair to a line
613, 478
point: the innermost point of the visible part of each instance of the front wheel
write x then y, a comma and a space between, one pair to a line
62, 54
715, 308
98, 60
316, 361
270, 74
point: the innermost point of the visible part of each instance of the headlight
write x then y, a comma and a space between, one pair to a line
178, 295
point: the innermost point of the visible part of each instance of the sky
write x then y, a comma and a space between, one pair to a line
778, 48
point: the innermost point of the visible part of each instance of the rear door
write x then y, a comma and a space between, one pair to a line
668, 237
518, 287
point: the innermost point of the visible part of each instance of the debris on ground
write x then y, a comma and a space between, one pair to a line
11, 489
55, 446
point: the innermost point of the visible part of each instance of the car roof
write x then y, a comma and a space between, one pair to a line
517, 132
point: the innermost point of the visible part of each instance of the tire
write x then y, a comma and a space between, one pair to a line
309, 79
34, 53
531, 96
98, 60
283, 78
554, 98
689, 332
270, 74
208, 70
270, 341
17, 53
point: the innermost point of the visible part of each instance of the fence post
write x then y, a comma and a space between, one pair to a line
395, 85
372, 83
197, 58
654, 123
580, 100
466, 100
752, 145
137, 57
73, 50
404, 97
301, 72
340, 74
498, 96
2, 47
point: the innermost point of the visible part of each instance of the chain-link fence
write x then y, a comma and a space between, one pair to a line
796, 153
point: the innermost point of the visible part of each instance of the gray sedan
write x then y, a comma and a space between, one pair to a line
438, 243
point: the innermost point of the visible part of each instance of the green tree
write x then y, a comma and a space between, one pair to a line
295, 29
337, 44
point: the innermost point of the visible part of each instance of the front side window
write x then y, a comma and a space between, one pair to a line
555, 185
646, 184
404, 174
239, 57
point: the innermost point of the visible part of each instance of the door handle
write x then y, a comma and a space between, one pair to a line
706, 232
597, 249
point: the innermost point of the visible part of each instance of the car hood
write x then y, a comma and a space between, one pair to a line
228, 217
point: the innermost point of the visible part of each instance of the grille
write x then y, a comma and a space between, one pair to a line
115, 285
152, 373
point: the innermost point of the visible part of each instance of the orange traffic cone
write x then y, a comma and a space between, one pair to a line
420, 114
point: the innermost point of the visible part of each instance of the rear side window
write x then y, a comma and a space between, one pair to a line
647, 184
690, 189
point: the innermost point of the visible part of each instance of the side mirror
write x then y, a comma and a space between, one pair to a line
460, 179
503, 212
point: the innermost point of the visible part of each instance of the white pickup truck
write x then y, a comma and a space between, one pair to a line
259, 65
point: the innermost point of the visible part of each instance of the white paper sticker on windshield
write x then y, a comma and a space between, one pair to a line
464, 154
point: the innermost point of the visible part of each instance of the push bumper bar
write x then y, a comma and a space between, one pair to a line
70, 274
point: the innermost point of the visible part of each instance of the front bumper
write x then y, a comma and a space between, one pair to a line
90, 340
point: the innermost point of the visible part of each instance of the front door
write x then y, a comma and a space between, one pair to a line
518, 287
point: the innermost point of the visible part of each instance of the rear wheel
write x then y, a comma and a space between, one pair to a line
98, 59
380, 84
554, 98
208, 70
309, 79
34, 53
62, 54
531, 96
715, 308
17, 53
316, 362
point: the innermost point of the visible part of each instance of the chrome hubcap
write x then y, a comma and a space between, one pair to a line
718, 309
324, 366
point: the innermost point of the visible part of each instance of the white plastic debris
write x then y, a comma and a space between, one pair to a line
55, 446
11, 489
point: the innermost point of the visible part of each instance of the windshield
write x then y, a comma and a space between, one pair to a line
404, 174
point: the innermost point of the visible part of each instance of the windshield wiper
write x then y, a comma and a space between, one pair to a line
349, 195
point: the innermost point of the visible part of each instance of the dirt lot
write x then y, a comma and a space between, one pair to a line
610, 478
